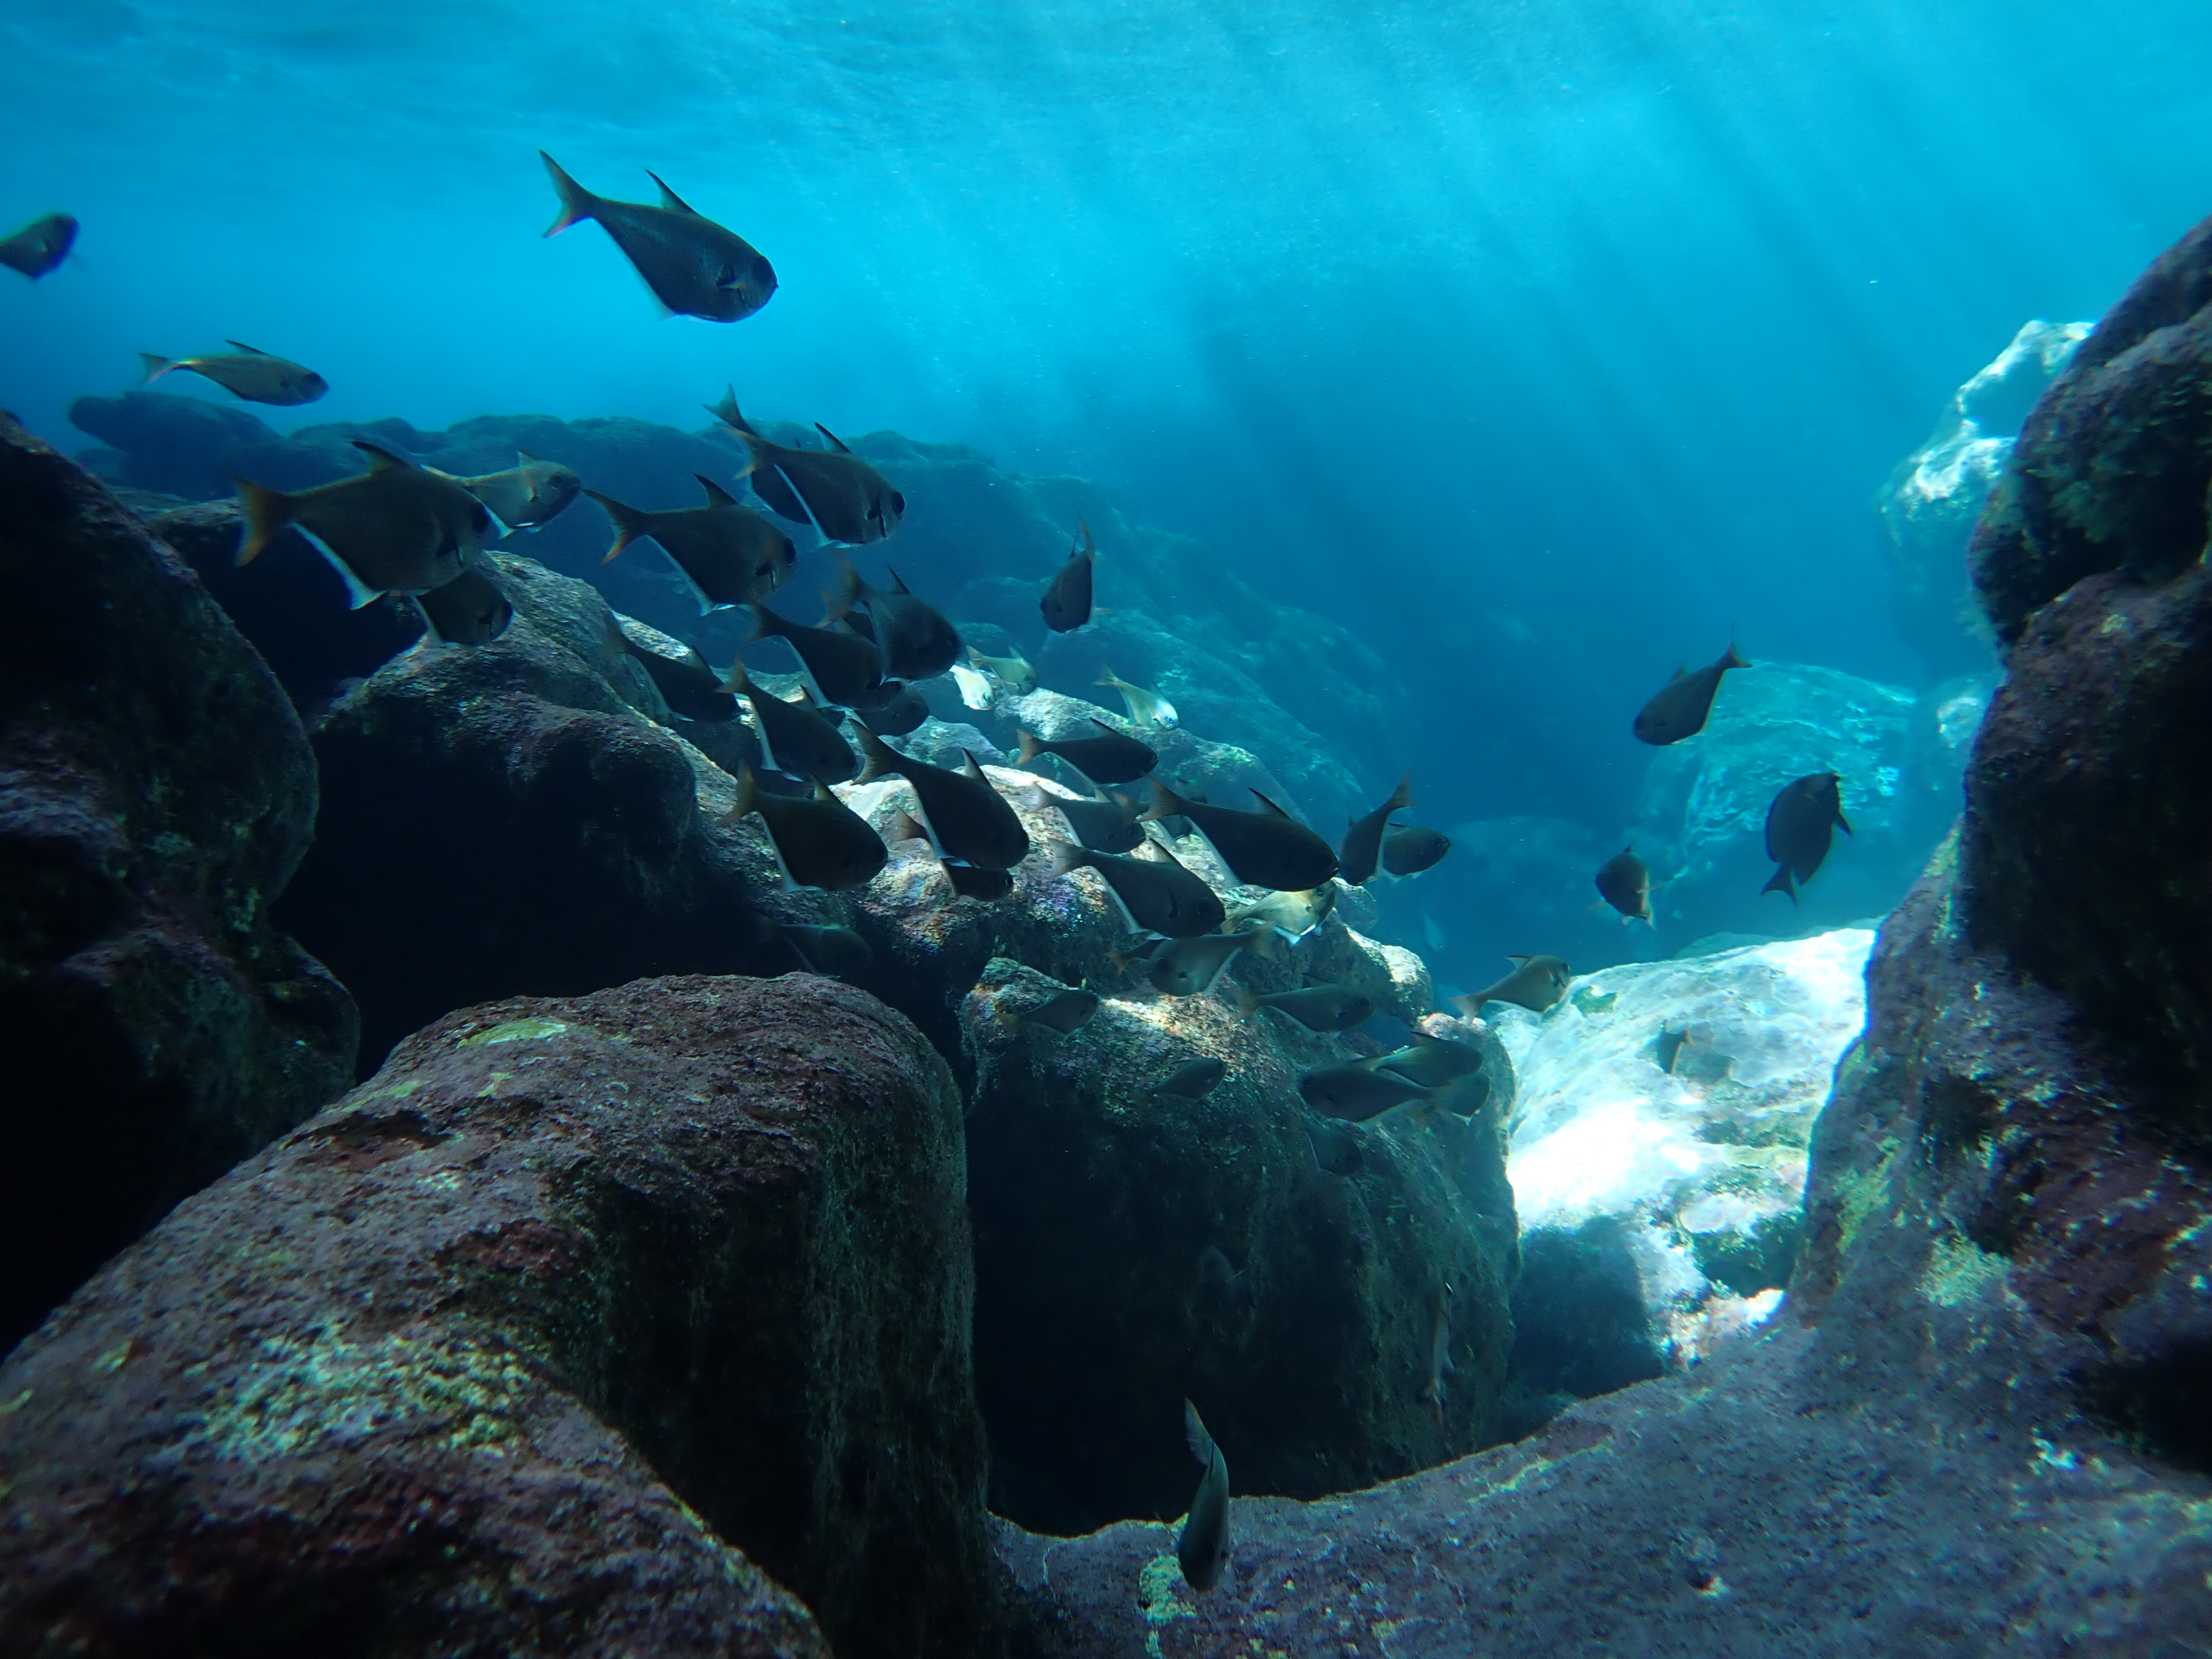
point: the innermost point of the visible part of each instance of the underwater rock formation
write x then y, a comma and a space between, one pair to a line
1308, 1348
1659, 1149
1929, 506
518, 1345
518, 818
1977, 1424
156, 793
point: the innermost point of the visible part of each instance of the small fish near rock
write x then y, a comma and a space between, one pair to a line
1110, 757
528, 496
1105, 826
968, 822
1362, 847
835, 952
1409, 851
832, 489
1536, 983
1015, 672
1801, 827
846, 669
1202, 1546
1147, 708
1066, 1012
1067, 602
818, 841
1316, 1007
1294, 916
1624, 881
398, 528
1680, 708
1268, 849
726, 553
795, 736
1154, 895
1191, 967
40, 246
1194, 1081
694, 266
244, 372
1356, 1094
916, 641
472, 609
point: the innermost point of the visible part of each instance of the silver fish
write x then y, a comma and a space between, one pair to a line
1147, 708
247, 372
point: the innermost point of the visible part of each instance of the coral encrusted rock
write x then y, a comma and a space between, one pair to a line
156, 793
617, 1325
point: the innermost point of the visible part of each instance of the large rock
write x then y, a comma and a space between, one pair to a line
519, 1345
518, 818
1659, 1194
156, 793
1930, 504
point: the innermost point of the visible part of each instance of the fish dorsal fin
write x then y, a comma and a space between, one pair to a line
1682, 672
669, 198
833, 438
250, 351
1273, 811
898, 582
716, 496
970, 769
380, 460
1510, 958
1110, 730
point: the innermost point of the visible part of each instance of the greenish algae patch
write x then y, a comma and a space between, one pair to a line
1958, 1271
112, 1360
533, 1029
301, 1393
1161, 1595
1857, 1194
399, 1091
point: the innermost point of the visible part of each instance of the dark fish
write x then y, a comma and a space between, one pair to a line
470, 609
1337, 1150
837, 951
1409, 851
1110, 757
1433, 1061
398, 528
1680, 708
1066, 603
694, 267
729, 554
1189, 967
1262, 849
1362, 846
1139, 954
1537, 984
1356, 1094
840, 493
818, 841
1104, 826
795, 736
40, 245
249, 373
1063, 1013
1193, 1082
1155, 895
893, 709
1624, 881
1202, 1546
1668, 1048
1440, 1359
686, 683
1316, 1007
968, 882
846, 669
768, 486
969, 820
916, 641
1800, 826
527, 496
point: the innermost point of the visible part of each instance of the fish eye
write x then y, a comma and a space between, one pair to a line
898, 502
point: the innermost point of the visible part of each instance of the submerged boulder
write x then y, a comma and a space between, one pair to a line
518, 1346
156, 793
1658, 1151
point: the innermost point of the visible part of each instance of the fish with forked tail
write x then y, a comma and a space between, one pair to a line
834, 490
846, 669
1147, 708
1356, 855
1067, 602
795, 736
258, 377
695, 267
969, 820
1316, 1007
1680, 708
1268, 849
729, 553
1355, 1094
1154, 895
529, 495
916, 641
1202, 1546
1801, 827
1110, 757
1190, 967
1536, 983
398, 528
818, 841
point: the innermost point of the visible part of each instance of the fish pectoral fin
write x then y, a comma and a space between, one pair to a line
358, 592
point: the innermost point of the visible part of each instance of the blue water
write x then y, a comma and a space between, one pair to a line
1539, 342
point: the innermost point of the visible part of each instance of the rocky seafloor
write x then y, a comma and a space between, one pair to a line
446, 1217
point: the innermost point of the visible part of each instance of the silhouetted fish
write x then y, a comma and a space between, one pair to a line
818, 841
1678, 708
1110, 757
916, 641
1356, 1094
795, 736
1536, 983
1154, 895
252, 374
969, 820
1189, 967
892, 709
1801, 827
40, 245
845, 498
729, 553
1202, 1546
846, 669
1431, 1061
1409, 851
398, 528
1067, 602
694, 266
1624, 881
470, 609
968, 882
837, 951
1193, 1082
1361, 845
1063, 1013
1268, 848
1316, 1007
686, 683
1337, 1149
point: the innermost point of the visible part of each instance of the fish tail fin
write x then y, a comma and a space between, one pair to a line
756, 448
1031, 748
628, 523
737, 681
839, 601
1842, 823
1165, 804
1067, 856
748, 794
728, 411
1247, 1005
576, 201
1121, 959
1781, 881
1469, 1007
1402, 796
767, 625
880, 759
156, 367
267, 512
1195, 1437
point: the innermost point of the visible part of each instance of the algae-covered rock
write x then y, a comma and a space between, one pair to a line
1659, 1136
156, 793
1308, 1350
517, 1347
